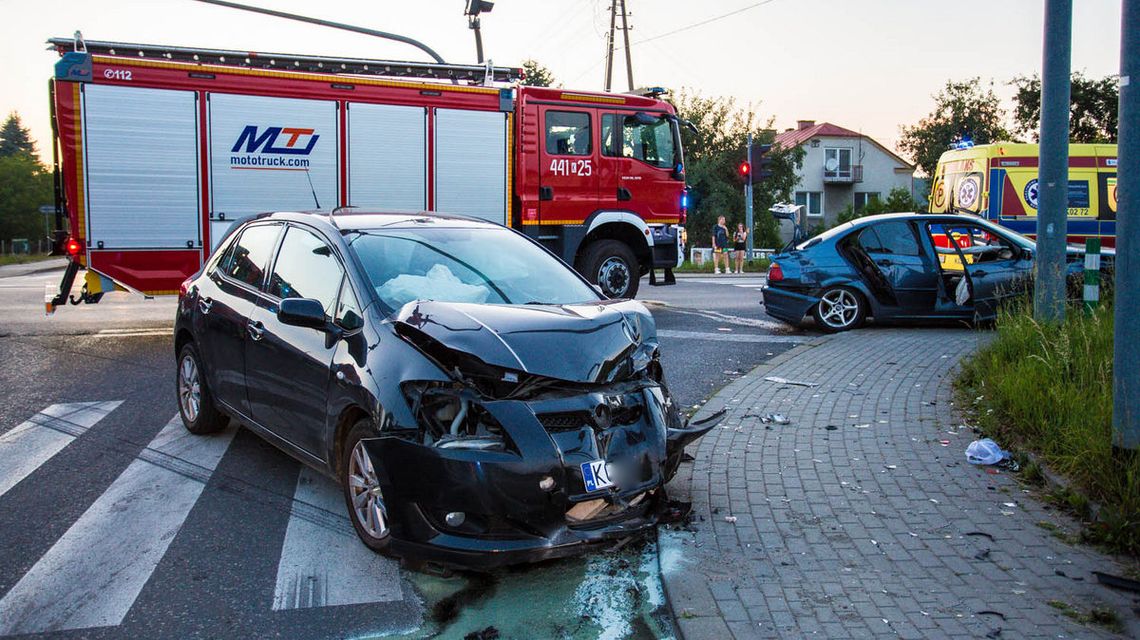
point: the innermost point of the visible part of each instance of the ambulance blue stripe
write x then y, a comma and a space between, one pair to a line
997, 189
1076, 227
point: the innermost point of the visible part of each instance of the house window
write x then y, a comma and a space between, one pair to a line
864, 198
837, 162
811, 201
815, 144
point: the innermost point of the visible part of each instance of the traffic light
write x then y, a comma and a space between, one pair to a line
760, 155
744, 169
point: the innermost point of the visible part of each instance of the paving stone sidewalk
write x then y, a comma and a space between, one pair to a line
855, 521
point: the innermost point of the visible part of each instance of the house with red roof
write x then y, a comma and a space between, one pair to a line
842, 168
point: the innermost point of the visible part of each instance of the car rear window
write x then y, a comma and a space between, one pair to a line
898, 238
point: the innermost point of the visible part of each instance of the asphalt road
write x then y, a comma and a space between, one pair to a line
114, 523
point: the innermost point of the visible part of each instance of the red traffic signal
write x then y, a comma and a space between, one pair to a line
745, 168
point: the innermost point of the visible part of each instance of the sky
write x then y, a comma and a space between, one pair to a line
868, 65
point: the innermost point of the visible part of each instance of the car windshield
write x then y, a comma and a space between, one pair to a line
477, 265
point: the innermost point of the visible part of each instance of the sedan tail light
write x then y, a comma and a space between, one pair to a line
775, 272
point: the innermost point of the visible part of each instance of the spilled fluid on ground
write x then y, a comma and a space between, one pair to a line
612, 595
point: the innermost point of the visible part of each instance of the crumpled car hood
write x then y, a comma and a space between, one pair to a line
586, 343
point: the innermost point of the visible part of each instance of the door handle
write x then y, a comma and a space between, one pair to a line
979, 274
623, 194
884, 262
546, 193
205, 304
255, 329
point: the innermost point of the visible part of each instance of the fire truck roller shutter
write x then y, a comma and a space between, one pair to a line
387, 156
141, 148
471, 163
270, 154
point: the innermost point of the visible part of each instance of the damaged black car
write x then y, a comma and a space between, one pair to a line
479, 402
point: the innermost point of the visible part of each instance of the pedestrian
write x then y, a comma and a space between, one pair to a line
720, 245
738, 239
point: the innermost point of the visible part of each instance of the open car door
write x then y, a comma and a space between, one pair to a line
980, 268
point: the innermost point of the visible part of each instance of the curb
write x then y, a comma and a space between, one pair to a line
682, 482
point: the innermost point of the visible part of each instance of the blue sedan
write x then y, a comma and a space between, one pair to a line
901, 266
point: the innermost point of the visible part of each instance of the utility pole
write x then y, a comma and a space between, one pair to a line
1053, 171
748, 201
610, 45
625, 33
1126, 341
615, 6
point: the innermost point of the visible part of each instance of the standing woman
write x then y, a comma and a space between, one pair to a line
738, 240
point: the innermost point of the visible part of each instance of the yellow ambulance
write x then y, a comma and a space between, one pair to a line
999, 182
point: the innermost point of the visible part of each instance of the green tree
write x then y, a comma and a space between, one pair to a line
536, 74
712, 154
961, 110
1092, 108
25, 185
14, 138
898, 200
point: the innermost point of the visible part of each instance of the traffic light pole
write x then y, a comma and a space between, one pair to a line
1126, 342
748, 201
1053, 173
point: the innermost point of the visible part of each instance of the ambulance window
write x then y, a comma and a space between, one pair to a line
247, 258
568, 133
306, 268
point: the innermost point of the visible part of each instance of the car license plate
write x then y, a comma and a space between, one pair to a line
596, 475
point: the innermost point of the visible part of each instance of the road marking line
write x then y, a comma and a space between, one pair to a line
126, 333
35, 441
323, 563
728, 337
94, 573
731, 319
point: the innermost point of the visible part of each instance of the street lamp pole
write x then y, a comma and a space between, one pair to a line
1126, 341
1053, 172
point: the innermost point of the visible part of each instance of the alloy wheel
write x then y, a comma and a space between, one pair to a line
839, 308
189, 388
367, 498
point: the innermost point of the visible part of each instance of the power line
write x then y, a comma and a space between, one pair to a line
704, 22
674, 32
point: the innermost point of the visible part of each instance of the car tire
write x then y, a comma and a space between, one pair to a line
840, 309
363, 497
611, 265
200, 415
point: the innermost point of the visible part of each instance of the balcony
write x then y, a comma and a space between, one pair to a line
848, 175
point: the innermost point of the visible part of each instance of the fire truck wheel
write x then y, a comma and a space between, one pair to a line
611, 265
195, 404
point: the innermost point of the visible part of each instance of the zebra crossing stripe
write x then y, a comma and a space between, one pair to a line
33, 442
323, 563
94, 573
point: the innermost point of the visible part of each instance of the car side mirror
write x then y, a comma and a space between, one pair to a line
1026, 254
302, 312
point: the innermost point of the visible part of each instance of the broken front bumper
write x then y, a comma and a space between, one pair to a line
528, 502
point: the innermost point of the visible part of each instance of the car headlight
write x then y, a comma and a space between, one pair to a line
451, 417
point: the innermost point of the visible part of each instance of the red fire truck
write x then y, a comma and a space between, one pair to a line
158, 150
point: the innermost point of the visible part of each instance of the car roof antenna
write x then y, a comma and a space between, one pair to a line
312, 189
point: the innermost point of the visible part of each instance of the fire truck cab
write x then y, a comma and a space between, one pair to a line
159, 150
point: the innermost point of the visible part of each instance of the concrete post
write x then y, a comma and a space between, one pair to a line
1126, 342
1053, 170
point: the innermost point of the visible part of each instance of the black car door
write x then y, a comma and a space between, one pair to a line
894, 250
287, 368
225, 299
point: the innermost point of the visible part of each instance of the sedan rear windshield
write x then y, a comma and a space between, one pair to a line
476, 265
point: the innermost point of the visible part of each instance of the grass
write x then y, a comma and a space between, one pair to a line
750, 266
1099, 616
22, 258
1048, 389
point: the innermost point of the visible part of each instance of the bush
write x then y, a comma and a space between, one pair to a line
1048, 389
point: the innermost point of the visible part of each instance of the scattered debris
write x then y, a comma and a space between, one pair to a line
675, 512
798, 383
1118, 582
984, 554
945, 443
776, 418
987, 452
831, 427
862, 426
730, 519
979, 533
